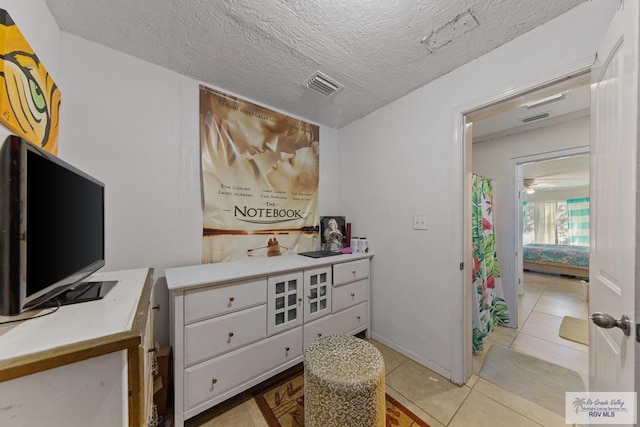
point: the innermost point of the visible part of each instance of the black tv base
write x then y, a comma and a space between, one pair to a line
82, 292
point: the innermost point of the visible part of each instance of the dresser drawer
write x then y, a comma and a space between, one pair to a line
209, 338
350, 271
207, 380
205, 303
350, 294
350, 320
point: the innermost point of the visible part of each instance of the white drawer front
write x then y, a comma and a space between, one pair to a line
204, 303
210, 338
209, 379
350, 271
350, 294
344, 322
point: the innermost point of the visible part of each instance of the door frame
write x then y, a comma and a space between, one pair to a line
516, 165
462, 365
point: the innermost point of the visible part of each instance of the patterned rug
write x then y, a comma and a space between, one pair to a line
282, 405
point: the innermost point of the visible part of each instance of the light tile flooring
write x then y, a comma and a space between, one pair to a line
478, 403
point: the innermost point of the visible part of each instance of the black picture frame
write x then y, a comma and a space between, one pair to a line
333, 236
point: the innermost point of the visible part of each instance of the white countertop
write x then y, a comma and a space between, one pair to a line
76, 323
211, 274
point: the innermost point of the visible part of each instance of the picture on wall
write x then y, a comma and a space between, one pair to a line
29, 98
260, 172
333, 230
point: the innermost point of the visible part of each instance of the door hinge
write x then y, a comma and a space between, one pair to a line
637, 332
461, 266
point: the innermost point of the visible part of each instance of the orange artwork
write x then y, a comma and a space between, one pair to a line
29, 98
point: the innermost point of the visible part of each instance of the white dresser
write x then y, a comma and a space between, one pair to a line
236, 324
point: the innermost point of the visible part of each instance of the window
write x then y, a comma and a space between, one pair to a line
561, 222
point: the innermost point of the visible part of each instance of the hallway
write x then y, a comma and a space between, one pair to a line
547, 299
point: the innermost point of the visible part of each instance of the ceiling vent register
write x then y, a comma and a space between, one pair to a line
323, 84
536, 117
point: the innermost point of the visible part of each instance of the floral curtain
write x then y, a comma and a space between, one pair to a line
489, 307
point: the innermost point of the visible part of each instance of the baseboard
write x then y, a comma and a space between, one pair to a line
411, 355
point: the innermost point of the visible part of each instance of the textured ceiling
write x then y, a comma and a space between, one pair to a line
560, 173
266, 51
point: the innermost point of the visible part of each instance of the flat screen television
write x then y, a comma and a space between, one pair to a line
51, 228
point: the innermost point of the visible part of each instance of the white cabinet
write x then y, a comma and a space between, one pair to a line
236, 324
317, 293
87, 364
284, 299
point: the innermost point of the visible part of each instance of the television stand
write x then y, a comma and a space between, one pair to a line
82, 292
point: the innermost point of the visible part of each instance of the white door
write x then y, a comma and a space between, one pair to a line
614, 108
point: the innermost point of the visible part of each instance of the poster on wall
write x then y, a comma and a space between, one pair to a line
29, 98
260, 173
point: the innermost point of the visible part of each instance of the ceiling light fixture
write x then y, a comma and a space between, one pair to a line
545, 101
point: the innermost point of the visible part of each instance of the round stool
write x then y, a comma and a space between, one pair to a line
343, 383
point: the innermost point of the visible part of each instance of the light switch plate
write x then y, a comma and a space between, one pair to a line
420, 222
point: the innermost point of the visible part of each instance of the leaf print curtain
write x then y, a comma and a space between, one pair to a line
489, 307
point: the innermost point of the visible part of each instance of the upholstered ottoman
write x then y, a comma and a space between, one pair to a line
343, 383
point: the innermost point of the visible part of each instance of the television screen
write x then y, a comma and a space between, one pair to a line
64, 222
52, 222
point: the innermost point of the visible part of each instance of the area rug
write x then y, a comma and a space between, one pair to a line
575, 329
282, 405
541, 382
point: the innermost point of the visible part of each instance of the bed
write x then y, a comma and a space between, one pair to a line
569, 260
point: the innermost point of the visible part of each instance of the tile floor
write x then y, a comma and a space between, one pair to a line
478, 403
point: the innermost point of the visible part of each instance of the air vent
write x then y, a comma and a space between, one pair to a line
536, 117
323, 84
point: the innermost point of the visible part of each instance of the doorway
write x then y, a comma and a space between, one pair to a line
548, 122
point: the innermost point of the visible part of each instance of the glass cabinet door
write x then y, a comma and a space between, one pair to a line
284, 302
317, 293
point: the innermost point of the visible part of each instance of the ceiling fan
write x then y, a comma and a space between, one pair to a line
527, 185
551, 181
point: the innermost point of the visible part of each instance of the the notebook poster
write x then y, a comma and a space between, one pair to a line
260, 174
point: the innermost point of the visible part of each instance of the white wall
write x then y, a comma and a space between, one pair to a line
40, 29
135, 126
494, 160
409, 163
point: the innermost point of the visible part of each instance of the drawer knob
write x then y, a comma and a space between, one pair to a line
156, 307
353, 295
231, 299
213, 381
286, 349
319, 335
230, 335
358, 317
354, 273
